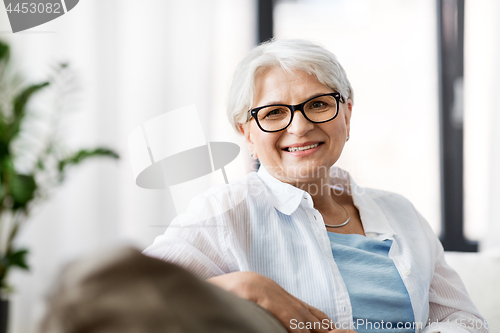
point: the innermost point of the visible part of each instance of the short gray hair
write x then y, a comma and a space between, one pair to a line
289, 54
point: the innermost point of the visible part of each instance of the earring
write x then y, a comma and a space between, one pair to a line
347, 139
252, 155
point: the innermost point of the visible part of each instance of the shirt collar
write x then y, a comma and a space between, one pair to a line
286, 198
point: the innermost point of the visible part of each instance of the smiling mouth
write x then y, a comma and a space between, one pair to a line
292, 149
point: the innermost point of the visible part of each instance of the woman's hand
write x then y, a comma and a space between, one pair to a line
269, 295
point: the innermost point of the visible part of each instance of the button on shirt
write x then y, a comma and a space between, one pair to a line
261, 224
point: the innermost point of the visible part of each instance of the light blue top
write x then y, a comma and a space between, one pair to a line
379, 299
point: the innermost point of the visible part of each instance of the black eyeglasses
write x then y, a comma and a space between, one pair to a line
277, 117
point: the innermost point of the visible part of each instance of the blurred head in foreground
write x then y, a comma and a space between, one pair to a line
125, 291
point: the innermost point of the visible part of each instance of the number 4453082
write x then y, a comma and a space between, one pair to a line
27, 7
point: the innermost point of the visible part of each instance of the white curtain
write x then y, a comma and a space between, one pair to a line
482, 122
135, 60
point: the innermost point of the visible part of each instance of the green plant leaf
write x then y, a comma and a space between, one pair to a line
82, 155
6, 172
4, 52
3, 123
22, 190
19, 108
4, 59
18, 258
4, 150
6, 167
39, 164
12, 258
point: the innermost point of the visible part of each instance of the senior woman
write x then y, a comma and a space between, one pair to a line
304, 241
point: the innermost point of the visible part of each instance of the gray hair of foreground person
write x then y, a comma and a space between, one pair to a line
124, 291
289, 54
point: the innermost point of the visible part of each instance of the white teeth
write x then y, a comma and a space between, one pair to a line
292, 149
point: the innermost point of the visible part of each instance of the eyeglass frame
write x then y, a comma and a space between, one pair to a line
293, 108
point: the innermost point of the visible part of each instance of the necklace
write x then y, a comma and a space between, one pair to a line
342, 224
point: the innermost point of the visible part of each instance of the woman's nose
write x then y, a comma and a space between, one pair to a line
300, 125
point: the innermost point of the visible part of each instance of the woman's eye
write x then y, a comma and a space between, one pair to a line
318, 104
274, 113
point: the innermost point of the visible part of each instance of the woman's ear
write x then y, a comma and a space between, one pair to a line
241, 129
245, 130
347, 115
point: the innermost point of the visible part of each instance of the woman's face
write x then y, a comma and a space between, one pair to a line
327, 139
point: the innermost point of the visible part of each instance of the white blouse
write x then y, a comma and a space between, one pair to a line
261, 224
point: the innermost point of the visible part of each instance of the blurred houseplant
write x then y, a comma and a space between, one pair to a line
23, 185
